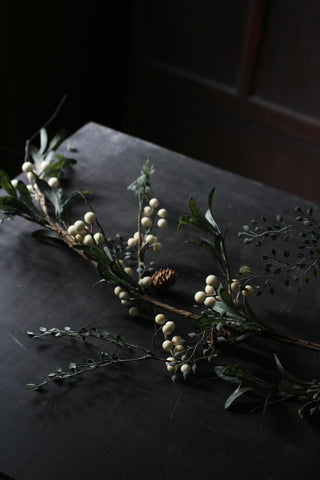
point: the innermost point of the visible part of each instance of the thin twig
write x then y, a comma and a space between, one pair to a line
33, 136
53, 116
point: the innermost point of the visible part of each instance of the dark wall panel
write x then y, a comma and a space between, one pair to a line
223, 138
185, 34
289, 67
235, 84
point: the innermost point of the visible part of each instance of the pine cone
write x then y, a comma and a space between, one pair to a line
164, 278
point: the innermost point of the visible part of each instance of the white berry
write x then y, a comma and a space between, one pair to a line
145, 282
248, 290
162, 223
98, 237
168, 328
178, 348
209, 301
124, 295
162, 213
27, 167
172, 368
154, 203
169, 360
212, 280
126, 303
150, 239
167, 345
90, 217
199, 297
31, 177
176, 340
117, 290
88, 240
53, 182
185, 368
145, 221
148, 211
157, 247
132, 242
72, 230
14, 183
133, 311
79, 237
128, 271
160, 319
245, 270
209, 289
235, 285
79, 226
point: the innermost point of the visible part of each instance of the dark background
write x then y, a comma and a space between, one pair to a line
234, 83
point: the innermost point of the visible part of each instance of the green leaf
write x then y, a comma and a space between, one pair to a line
5, 183
103, 280
65, 207
48, 236
57, 140
63, 162
52, 195
212, 194
11, 205
220, 371
141, 186
94, 252
188, 221
108, 253
203, 323
236, 394
287, 374
43, 140
226, 298
209, 213
26, 204
237, 371
35, 155
200, 218
212, 249
226, 304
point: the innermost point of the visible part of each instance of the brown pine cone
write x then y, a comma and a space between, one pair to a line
164, 278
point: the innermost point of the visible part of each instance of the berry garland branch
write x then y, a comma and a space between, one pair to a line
225, 318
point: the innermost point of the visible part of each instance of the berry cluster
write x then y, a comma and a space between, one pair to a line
240, 285
174, 345
32, 172
82, 231
124, 296
148, 220
209, 296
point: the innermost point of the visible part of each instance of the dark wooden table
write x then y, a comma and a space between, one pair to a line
133, 422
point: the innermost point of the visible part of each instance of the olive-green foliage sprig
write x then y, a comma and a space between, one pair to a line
225, 317
134, 353
207, 224
293, 264
307, 393
44, 168
141, 186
